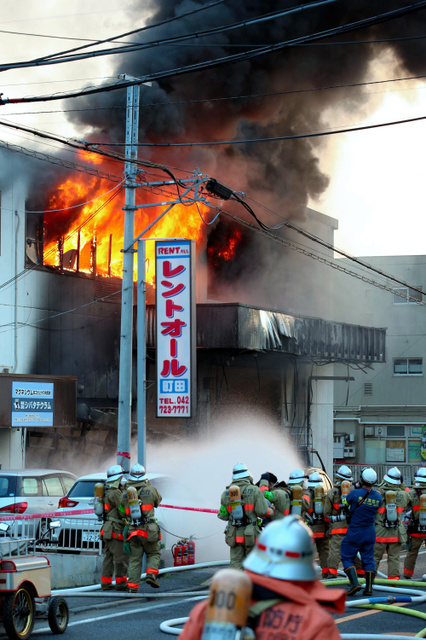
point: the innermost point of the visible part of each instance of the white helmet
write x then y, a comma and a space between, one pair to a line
240, 471
284, 550
314, 479
137, 472
296, 477
344, 473
420, 475
115, 472
368, 475
393, 476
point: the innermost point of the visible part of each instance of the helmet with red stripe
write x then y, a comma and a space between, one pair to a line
284, 550
137, 472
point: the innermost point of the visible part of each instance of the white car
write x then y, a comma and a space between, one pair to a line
28, 492
82, 530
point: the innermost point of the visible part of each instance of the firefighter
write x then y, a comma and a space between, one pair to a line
143, 535
242, 504
287, 599
115, 561
317, 522
276, 494
299, 495
363, 505
417, 524
334, 514
390, 531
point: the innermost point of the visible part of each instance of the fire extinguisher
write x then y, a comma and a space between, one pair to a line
191, 552
184, 552
177, 554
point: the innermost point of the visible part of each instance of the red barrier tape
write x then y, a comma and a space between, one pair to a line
77, 512
170, 506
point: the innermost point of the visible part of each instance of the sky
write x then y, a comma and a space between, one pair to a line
376, 176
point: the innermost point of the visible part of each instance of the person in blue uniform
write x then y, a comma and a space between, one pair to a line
362, 505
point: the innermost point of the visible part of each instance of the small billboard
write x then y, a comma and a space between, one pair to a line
175, 327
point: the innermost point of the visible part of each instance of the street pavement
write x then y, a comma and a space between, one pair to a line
97, 614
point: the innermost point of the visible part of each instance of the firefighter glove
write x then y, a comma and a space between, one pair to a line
338, 518
223, 511
269, 495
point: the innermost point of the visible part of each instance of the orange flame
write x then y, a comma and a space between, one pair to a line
91, 236
227, 251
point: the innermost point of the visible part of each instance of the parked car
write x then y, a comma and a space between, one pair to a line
31, 491
82, 531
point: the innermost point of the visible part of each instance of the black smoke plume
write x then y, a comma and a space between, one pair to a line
282, 175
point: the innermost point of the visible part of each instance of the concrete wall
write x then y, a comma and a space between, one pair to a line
71, 570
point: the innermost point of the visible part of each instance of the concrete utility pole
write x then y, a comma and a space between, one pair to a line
126, 335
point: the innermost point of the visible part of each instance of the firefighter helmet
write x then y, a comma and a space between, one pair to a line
314, 479
137, 472
240, 471
368, 476
284, 550
420, 475
344, 473
393, 476
115, 472
296, 477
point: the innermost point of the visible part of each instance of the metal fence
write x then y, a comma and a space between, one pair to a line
75, 535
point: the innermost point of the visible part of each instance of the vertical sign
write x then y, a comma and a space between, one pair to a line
175, 327
32, 404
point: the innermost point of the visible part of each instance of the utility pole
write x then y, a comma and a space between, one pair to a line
126, 334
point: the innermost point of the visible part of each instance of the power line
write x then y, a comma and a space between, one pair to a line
270, 139
208, 64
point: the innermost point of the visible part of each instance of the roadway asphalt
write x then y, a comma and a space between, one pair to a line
179, 591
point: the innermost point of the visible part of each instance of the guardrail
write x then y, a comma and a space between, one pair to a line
77, 533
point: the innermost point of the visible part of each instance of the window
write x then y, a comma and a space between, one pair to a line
406, 295
408, 366
30, 487
368, 388
53, 486
395, 430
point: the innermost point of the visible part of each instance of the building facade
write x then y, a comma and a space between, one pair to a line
379, 415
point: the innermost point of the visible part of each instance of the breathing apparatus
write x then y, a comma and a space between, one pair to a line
228, 607
422, 513
98, 500
391, 512
133, 503
237, 510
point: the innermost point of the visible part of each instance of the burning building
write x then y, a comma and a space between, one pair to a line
267, 338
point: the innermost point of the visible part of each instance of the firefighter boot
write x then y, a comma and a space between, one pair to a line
151, 580
369, 579
354, 584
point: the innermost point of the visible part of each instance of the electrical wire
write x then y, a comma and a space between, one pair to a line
76, 206
207, 64
252, 96
299, 136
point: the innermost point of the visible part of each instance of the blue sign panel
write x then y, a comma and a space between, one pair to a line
32, 404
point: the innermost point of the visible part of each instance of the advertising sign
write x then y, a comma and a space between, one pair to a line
175, 327
423, 442
32, 404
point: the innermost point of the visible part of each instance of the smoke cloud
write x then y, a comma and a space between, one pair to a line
283, 175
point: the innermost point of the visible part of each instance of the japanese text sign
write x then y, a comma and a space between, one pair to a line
175, 323
32, 404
